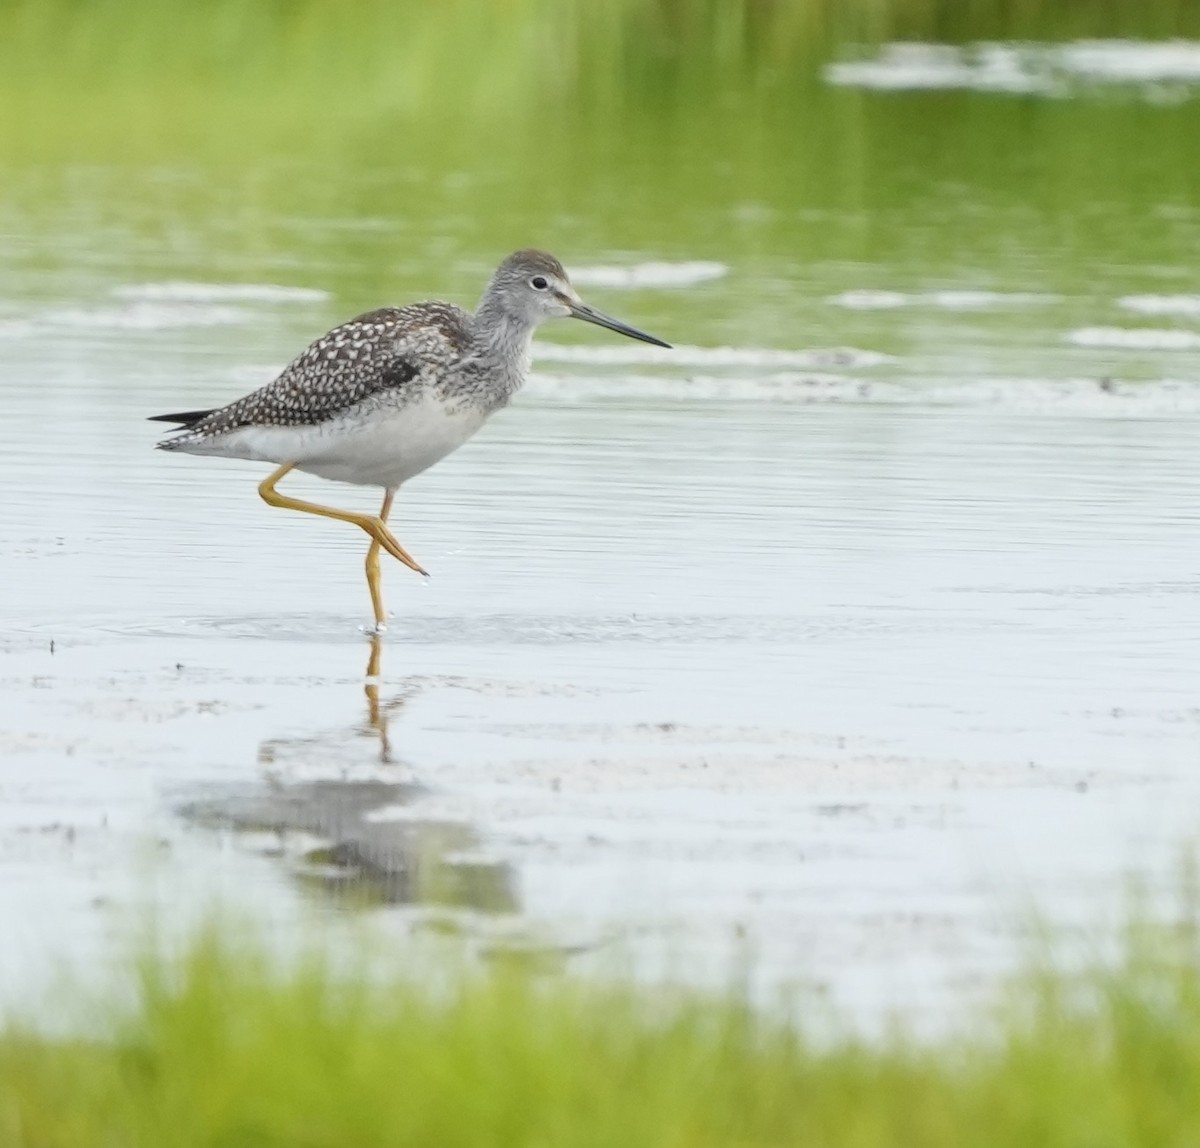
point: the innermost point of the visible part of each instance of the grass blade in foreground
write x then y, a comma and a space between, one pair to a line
227, 1050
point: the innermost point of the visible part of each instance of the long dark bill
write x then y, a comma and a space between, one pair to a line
591, 315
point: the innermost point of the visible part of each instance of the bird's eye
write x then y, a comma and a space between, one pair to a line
538, 283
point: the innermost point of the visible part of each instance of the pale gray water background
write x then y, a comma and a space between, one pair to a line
837, 645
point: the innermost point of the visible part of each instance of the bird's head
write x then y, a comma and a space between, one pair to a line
533, 286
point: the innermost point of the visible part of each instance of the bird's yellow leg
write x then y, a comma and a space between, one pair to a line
371, 523
373, 583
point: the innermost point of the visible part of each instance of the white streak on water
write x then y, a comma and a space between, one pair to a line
145, 316
781, 387
1073, 396
1026, 68
1135, 338
871, 300
180, 291
640, 354
1161, 304
649, 274
1132, 61
916, 66
867, 300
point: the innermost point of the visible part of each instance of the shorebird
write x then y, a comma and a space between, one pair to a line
383, 397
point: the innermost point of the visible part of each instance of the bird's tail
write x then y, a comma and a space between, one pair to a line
184, 419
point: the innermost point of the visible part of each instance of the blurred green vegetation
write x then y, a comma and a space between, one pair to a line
391, 148
226, 1048
242, 78
329, 108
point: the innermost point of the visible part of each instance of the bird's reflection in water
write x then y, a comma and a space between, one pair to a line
377, 715
330, 830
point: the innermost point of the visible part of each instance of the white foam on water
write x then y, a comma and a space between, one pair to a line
1077, 396
643, 354
179, 291
649, 274
867, 300
1134, 338
1161, 304
922, 66
1074, 396
980, 300
1025, 68
781, 387
1132, 61
145, 316
871, 300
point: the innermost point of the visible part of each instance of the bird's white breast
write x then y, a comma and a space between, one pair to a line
373, 444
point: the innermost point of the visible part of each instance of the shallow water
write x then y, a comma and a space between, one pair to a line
867, 611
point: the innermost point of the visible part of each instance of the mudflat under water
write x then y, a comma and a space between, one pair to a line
837, 641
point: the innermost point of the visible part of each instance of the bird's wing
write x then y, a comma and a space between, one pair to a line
381, 350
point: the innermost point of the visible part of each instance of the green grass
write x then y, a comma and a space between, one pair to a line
226, 1048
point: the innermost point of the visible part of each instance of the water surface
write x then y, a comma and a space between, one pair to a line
871, 608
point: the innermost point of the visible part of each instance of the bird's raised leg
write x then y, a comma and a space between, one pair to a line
373, 567
371, 523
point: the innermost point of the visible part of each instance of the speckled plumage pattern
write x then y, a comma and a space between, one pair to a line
394, 349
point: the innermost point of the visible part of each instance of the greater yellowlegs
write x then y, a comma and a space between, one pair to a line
385, 396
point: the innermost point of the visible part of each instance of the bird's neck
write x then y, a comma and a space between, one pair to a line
504, 340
